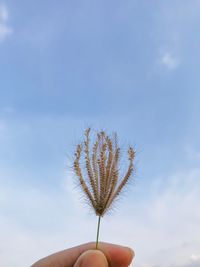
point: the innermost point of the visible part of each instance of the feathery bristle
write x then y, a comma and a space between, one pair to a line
101, 185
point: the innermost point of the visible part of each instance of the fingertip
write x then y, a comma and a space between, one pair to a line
131, 255
117, 255
88, 258
131, 251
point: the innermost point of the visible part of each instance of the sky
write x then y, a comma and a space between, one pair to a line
130, 67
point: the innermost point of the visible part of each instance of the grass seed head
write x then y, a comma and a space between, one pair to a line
99, 179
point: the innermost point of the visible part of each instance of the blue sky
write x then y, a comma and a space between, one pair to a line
130, 67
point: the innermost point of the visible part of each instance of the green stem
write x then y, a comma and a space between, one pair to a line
97, 239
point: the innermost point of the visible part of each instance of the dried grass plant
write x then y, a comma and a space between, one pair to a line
99, 179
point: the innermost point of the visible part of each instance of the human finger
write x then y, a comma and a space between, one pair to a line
116, 255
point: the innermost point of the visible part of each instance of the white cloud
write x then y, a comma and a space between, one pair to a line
3, 13
169, 61
5, 29
195, 257
193, 262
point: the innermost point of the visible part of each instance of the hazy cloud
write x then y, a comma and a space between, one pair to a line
195, 257
5, 29
193, 262
169, 61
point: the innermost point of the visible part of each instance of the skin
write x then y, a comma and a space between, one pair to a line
108, 255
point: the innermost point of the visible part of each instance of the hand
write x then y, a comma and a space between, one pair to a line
86, 256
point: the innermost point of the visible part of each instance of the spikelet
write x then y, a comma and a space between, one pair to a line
100, 181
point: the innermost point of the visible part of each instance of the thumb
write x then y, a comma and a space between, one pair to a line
92, 258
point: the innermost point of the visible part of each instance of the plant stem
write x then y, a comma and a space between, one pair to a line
97, 239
